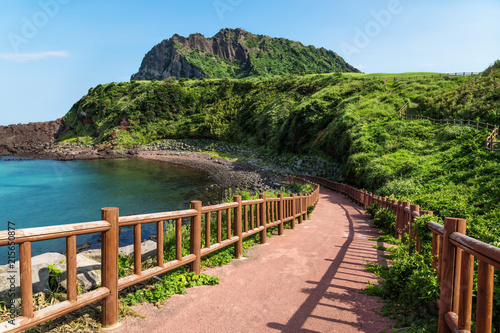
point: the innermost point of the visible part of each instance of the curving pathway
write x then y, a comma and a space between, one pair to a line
307, 280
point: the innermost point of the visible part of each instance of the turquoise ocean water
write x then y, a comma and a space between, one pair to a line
35, 193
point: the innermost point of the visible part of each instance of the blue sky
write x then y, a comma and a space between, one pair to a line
53, 51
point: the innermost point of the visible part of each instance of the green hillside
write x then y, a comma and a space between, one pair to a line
352, 119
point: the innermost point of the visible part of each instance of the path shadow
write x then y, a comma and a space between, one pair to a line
319, 292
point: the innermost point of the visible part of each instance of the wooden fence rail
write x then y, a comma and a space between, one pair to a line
432, 76
490, 143
453, 258
234, 222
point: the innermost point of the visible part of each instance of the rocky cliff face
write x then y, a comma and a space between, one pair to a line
17, 137
235, 53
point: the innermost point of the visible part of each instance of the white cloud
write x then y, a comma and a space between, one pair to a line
24, 57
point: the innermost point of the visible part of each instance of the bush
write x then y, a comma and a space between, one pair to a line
371, 210
310, 209
410, 287
385, 220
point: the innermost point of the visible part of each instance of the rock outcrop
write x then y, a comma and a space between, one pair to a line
235, 53
21, 136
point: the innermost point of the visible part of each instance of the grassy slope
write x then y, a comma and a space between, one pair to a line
349, 118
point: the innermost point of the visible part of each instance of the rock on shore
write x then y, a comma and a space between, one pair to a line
29, 137
88, 269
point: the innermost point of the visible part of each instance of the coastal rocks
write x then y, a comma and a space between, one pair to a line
39, 273
285, 164
14, 138
148, 249
88, 272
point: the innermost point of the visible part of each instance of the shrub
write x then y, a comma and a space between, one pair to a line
310, 209
371, 210
385, 220
410, 287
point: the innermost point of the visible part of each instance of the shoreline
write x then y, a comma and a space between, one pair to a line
227, 174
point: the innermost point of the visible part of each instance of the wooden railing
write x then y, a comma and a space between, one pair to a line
432, 76
490, 140
453, 258
403, 109
249, 218
490, 143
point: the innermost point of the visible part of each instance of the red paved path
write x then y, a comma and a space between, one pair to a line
307, 280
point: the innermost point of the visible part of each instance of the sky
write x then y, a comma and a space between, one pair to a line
53, 51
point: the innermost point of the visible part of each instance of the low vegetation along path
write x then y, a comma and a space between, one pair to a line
307, 280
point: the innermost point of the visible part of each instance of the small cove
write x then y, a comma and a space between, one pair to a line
36, 193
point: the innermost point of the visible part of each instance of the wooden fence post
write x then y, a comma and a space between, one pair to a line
413, 232
305, 204
450, 275
466, 285
109, 266
399, 220
406, 218
293, 211
263, 219
238, 229
280, 215
394, 207
71, 268
195, 240
484, 311
300, 207
26, 281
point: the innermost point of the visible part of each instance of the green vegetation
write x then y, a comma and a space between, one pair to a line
384, 220
214, 66
282, 56
174, 283
409, 284
352, 119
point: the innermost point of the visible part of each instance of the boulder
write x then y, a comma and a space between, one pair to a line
148, 249
39, 273
88, 272
88, 269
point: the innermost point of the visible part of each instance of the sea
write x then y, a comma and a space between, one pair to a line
36, 193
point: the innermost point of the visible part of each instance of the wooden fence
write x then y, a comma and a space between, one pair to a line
249, 218
490, 143
453, 258
432, 76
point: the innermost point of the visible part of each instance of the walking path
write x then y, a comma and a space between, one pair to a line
307, 280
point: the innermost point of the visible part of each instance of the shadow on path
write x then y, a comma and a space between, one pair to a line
322, 290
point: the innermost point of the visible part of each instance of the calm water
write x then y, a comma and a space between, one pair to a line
36, 193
